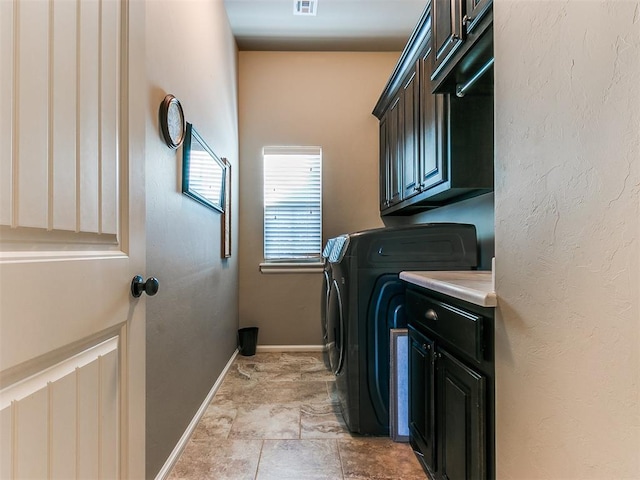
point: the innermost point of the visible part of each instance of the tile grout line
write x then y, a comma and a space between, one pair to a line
255, 477
340, 457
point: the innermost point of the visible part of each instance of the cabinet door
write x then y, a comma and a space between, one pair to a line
475, 10
394, 135
461, 420
384, 165
410, 122
433, 128
422, 397
447, 29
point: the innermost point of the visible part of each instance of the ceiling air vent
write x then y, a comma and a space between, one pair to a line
305, 7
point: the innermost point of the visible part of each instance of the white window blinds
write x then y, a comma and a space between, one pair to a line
292, 203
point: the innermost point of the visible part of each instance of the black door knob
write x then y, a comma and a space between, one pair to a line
138, 286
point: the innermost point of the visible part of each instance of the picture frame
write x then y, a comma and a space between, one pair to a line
226, 215
203, 173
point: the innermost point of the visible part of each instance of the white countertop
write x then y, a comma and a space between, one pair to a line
471, 286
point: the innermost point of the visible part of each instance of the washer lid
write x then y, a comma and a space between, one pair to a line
328, 247
339, 249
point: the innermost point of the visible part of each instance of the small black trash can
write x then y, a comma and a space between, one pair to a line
247, 340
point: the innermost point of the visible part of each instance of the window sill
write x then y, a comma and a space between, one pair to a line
291, 267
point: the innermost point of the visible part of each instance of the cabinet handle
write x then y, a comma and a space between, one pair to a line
426, 347
466, 20
431, 315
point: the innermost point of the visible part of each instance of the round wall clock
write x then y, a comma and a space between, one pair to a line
172, 121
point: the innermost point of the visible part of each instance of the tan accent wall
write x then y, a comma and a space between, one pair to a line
567, 232
305, 98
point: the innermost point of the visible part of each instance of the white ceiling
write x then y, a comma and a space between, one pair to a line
340, 25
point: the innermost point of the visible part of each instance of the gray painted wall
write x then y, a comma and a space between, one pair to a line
192, 321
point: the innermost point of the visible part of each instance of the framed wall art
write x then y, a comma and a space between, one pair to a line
226, 215
203, 173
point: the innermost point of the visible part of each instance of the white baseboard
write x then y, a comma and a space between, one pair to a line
289, 348
182, 443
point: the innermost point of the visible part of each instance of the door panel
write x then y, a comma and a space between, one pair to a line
30, 79
6, 109
394, 127
422, 396
462, 418
447, 29
64, 74
410, 121
71, 239
65, 418
384, 164
433, 111
475, 10
63, 427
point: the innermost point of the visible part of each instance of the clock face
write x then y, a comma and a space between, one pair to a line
175, 122
172, 121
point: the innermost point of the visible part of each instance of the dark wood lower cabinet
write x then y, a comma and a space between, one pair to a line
461, 419
422, 399
451, 400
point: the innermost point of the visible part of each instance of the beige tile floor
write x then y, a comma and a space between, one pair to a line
276, 417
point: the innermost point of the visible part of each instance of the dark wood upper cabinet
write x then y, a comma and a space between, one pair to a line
410, 130
391, 154
447, 29
453, 21
474, 13
463, 42
384, 164
434, 148
395, 138
433, 126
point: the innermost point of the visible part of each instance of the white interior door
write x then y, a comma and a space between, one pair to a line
71, 239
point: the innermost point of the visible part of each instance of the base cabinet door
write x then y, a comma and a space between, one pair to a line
447, 412
422, 398
461, 420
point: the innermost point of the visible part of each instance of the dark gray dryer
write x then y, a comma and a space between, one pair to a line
366, 300
326, 286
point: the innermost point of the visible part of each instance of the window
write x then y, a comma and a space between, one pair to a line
292, 205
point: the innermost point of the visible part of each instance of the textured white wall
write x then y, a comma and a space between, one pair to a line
567, 239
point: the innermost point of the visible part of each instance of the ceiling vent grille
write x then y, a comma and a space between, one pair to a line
305, 7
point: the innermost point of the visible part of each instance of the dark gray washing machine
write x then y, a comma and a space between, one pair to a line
366, 300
